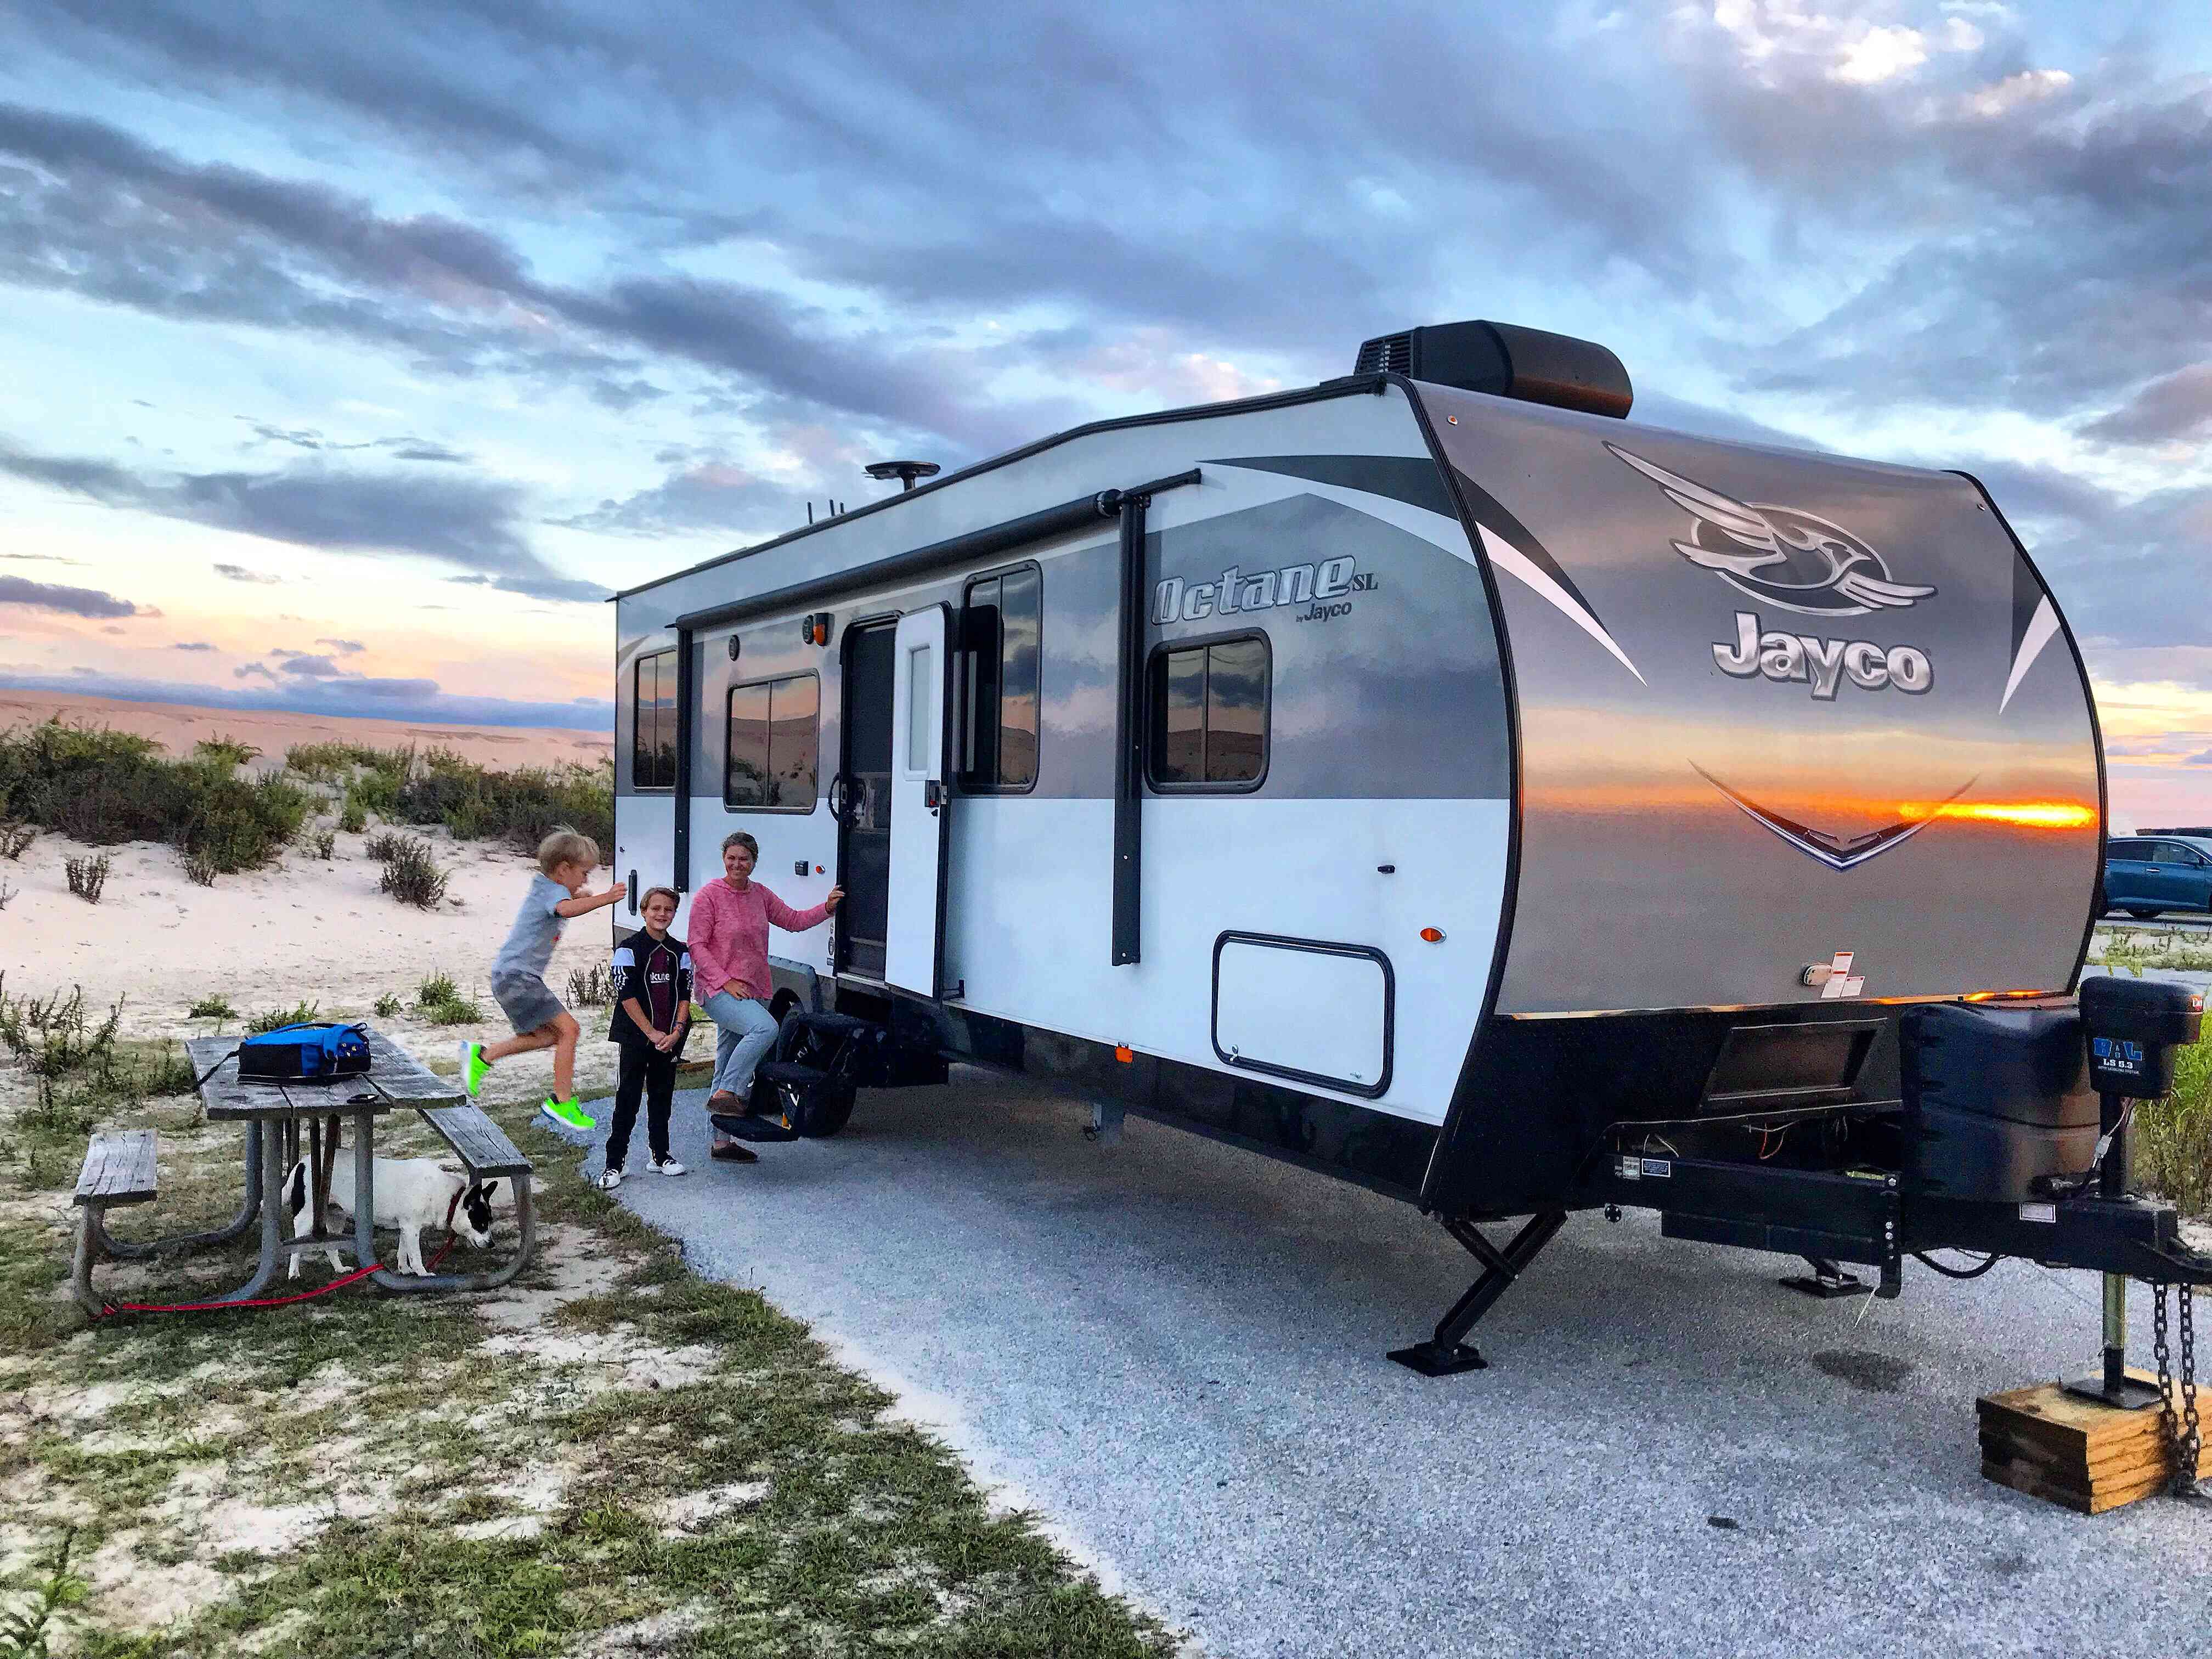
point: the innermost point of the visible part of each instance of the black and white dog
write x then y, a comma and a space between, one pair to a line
411, 1194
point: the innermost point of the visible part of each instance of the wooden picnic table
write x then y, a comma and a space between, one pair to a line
273, 1115
119, 1167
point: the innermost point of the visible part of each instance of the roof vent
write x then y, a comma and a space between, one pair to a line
1505, 360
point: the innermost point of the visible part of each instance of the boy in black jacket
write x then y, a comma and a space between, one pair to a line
653, 1016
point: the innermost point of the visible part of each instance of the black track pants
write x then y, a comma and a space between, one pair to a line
647, 1071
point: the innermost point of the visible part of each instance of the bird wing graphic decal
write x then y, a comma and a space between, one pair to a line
1740, 520
1871, 590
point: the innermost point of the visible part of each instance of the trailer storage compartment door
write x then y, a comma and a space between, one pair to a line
1306, 1009
914, 945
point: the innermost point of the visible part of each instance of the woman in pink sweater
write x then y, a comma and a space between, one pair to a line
729, 929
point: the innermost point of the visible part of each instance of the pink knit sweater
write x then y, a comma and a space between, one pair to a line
728, 933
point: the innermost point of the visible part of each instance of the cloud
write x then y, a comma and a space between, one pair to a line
253, 670
347, 647
472, 523
388, 699
38, 558
714, 496
2174, 406
311, 668
191, 645
70, 601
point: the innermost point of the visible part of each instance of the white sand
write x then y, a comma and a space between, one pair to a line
177, 727
301, 930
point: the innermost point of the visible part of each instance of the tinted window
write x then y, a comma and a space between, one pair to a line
653, 743
2130, 849
1001, 628
1209, 714
775, 740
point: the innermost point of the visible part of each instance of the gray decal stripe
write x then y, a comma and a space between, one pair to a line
1492, 513
1413, 479
2042, 628
2026, 600
1837, 852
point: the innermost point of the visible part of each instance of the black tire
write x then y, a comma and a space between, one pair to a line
2141, 914
831, 1116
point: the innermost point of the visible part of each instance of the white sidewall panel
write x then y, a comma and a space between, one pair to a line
1029, 917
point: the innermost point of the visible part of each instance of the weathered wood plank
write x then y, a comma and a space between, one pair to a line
481, 1143
120, 1168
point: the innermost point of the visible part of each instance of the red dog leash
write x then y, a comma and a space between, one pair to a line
111, 1308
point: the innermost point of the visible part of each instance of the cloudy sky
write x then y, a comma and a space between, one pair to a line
355, 352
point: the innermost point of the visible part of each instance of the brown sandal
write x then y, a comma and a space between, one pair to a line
731, 1152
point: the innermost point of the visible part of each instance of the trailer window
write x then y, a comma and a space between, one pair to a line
1001, 624
775, 744
1209, 714
653, 737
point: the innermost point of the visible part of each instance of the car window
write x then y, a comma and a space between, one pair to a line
2173, 852
2125, 849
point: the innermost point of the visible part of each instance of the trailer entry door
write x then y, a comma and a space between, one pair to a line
920, 708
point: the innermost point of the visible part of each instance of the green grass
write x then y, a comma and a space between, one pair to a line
214, 1005
860, 1534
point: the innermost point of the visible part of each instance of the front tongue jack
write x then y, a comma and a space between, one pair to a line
2134, 1027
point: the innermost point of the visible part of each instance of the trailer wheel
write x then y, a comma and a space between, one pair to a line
2141, 914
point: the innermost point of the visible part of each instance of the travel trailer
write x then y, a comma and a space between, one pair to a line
1435, 780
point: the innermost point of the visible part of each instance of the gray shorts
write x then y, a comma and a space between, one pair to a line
527, 1001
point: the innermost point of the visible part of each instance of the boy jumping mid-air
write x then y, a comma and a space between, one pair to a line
565, 862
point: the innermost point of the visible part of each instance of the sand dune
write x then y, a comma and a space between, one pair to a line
177, 727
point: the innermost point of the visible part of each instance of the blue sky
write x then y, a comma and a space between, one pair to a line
355, 352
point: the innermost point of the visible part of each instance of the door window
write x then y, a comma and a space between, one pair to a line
774, 733
1001, 624
921, 708
652, 733
1209, 714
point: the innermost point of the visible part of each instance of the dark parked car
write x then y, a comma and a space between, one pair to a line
2146, 874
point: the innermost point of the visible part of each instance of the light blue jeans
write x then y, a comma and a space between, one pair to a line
744, 1029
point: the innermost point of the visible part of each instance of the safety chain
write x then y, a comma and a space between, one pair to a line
2182, 1435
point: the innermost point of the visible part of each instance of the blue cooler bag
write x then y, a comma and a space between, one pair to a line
303, 1053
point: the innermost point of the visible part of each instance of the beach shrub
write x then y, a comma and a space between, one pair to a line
388, 1006
412, 876
299, 1013
214, 1005
228, 751
518, 807
7, 893
456, 1011
2172, 1137
592, 986
15, 838
434, 989
199, 869
326, 843
386, 845
103, 787
87, 877
353, 817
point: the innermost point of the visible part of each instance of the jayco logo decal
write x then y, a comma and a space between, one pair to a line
1823, 664
1794, 561
1325, 590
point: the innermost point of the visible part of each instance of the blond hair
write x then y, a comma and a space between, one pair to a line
567, 846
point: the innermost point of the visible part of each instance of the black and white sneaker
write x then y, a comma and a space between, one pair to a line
667, 1166
610, 1178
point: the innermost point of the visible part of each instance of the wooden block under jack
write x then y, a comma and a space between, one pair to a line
2090, 1457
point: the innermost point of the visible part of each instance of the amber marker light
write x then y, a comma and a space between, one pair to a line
1434, 935
1124, 1052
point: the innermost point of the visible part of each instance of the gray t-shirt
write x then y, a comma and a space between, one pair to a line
537, 930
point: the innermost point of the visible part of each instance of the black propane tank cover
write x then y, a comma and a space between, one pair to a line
1994, 1098
2134, 1025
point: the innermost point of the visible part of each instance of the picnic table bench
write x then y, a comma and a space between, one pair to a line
120, 1167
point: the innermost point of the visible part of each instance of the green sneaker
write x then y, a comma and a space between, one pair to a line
569, 1113
473, 1067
